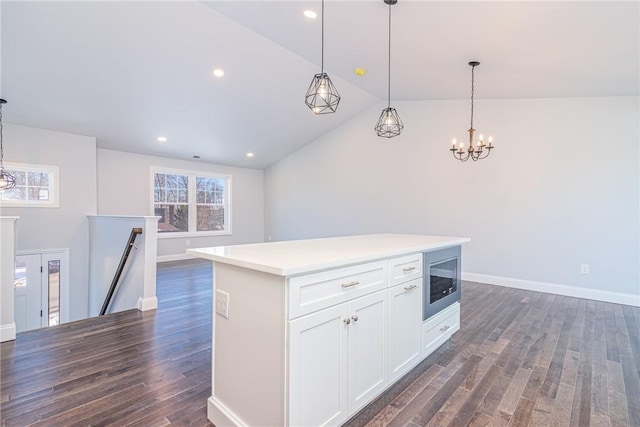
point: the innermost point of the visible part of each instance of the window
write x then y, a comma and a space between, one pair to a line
36, 186
191, 202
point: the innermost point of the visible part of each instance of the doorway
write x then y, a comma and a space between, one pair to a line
41, 289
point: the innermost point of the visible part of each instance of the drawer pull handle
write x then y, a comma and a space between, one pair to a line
350, 284
408, 288
408, 269
354, 317
444, 328
346, 320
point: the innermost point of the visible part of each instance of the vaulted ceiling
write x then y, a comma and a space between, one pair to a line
128, 72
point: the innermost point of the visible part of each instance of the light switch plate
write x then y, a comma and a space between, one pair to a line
222, 303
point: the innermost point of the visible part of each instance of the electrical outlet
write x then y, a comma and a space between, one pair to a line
584, 268
187, 242
269, 238
222, 303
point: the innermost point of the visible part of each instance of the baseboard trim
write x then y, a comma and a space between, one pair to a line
148, 303
554, 288
175, 257
221, 416
8, 332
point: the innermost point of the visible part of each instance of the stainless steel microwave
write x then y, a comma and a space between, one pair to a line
441, 286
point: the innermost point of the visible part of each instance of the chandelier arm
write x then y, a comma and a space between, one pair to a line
486, 154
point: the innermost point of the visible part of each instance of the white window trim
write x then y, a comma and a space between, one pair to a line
54, 172
192, 196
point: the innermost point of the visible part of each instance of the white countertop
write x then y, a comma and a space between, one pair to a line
293, 257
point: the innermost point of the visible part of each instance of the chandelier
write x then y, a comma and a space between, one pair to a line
389, 123
322, 96
480, 150
7, 181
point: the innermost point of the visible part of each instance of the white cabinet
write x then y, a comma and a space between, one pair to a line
405, 320
439, 328
338, 360
367, 372
318, 367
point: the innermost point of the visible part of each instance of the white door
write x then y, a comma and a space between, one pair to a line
318, 368
41, 279
368, 368
405, 319
28, 293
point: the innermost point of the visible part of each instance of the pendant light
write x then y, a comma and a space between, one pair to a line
389, 123
322, 96
480, 150
7, 181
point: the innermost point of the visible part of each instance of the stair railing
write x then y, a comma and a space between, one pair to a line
123, 261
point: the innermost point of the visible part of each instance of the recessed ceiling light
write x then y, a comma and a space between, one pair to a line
162, 139
249, 154
218, 72
360, 71
310, 14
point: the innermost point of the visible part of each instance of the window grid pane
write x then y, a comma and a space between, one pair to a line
32, 186
53, 270
172, 202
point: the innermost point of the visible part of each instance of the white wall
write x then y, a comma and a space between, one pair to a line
66, 226
124, 189
560, 189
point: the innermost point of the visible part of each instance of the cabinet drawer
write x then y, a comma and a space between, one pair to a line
316, 291
439, 328
405, 268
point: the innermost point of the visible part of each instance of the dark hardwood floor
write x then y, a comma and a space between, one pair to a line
521, 358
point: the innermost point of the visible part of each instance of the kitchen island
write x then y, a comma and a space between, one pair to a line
308, 332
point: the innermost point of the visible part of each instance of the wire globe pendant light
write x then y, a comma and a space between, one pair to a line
389, 123
322, 96
7, 181
480, 150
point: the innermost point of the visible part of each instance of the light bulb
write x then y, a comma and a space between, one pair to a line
461, 145
481, 137
453, 142
490, 139
389, 122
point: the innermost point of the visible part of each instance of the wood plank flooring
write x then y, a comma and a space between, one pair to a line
521, 358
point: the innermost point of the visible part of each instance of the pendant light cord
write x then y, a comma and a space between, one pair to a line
322, 54
389, 64
472, 90
1, 139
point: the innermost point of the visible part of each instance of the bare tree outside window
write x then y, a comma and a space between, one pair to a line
36, 185
188, 202
171, 202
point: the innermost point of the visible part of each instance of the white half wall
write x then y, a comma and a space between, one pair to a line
66, 226
108, 239
561, 188
124, 189
7, 277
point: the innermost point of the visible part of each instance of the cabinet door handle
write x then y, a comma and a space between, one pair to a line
444, 328
408, 269
346, 321
350, 284
354, 317
408, 288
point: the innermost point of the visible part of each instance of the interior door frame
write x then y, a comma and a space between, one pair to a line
46, 255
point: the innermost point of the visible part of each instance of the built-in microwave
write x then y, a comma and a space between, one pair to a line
441, 285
